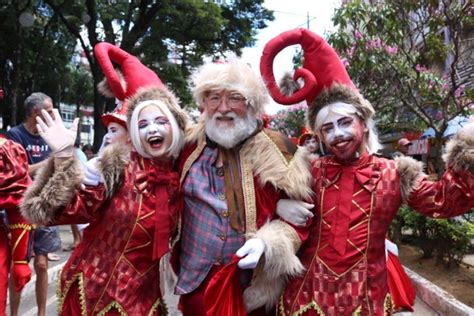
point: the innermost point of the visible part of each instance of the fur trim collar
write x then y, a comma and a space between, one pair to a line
112, 164
273, 158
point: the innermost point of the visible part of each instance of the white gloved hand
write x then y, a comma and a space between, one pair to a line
252, 250
55, 134
294, 212
92, 176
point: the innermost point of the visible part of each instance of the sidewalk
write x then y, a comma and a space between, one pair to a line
431, 300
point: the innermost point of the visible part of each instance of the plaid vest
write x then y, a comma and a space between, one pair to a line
207, 238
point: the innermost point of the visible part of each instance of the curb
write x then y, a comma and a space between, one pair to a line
437, 298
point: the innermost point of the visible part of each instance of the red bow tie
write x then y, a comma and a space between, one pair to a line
367, 174
161, 183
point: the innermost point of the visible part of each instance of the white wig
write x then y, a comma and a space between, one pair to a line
177, 142
371, 141
234, 75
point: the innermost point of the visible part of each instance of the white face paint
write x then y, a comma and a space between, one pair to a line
155, 131
343, 134
116, 133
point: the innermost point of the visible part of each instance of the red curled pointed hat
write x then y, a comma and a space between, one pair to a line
123, 85
325, 78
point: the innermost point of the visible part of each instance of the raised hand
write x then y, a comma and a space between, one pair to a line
56, 135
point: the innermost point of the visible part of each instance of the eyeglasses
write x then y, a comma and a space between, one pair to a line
233, 100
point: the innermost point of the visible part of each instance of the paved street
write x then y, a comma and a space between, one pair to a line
28, 304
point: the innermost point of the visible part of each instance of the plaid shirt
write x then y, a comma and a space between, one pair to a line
207, 238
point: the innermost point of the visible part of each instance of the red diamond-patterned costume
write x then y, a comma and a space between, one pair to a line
14, 180
343, 280
113, 269
357, 193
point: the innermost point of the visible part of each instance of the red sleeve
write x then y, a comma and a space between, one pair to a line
14, 178
83, 208
452, 195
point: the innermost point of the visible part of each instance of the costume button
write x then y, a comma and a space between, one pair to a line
218, 260
225, 214
220, 171
221, 197
222, 237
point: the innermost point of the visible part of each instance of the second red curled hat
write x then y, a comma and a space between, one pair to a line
122, 84
325, 77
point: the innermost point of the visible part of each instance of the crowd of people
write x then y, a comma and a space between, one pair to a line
231, 216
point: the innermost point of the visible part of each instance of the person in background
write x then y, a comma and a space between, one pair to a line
88, 150
357, 192
403, 147
311, 143
46, 239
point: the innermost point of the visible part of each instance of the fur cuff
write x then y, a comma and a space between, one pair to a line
460, 150
53, 188
112, 165
279, 263
411, 172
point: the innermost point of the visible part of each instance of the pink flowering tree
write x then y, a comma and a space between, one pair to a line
411, 60
290, 121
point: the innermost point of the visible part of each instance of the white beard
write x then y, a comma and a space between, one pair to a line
229, 137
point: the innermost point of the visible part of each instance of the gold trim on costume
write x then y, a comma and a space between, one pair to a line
307, 307
248, 188
20, 262
17, 241
189, 162
387, 305
20, 226
360, 208
140, 200
358, 311
155, 306
79, 277
111, 305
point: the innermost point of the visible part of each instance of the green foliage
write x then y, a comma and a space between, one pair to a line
395, 52
290, 121
171, 37
447, 239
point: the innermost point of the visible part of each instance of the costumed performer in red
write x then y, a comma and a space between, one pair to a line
14, 181
357, 193
133, 215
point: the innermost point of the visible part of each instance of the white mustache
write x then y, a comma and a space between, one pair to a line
227, 115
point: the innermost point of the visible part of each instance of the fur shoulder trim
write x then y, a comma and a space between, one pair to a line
411, 172
279, 263
197, 132
460, 150
274, 161
112, 164
52, 189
